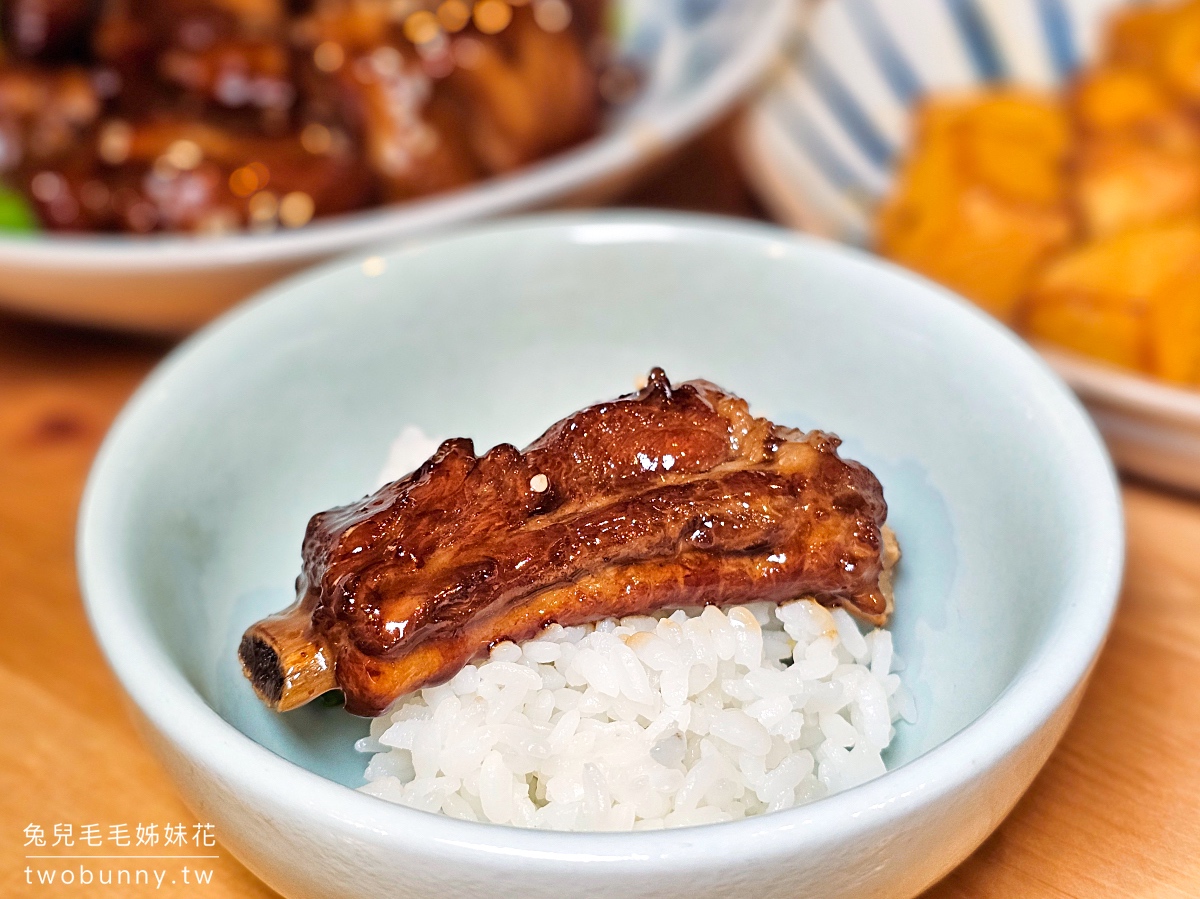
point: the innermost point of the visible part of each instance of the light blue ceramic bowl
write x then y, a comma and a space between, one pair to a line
1001, 494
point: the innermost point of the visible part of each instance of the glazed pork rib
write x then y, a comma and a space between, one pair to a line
672, 496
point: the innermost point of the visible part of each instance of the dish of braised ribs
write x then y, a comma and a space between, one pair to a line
214, 115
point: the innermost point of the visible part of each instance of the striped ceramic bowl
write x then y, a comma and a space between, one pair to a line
822, 145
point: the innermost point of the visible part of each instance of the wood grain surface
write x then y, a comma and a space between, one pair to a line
1115, 813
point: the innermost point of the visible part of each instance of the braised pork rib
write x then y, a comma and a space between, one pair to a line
672, 496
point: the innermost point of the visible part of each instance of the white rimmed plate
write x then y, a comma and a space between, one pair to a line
701, 56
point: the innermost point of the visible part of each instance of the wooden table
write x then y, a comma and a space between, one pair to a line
1116, 812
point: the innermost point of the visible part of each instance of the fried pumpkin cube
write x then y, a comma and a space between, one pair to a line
1101, 298
1174, 327
927, 187
1113, 335
1179, 53
1121, 98
1124, 183
978, 245
1162, 39
980, 201
1138, 161
1015, 143
1135, 36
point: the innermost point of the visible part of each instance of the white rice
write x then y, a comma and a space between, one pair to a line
644, 722
408, 451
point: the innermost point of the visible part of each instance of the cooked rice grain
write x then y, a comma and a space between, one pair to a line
643, 723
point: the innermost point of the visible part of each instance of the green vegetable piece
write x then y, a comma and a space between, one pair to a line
15, 212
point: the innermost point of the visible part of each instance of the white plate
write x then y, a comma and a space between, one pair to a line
701, 56
820, 147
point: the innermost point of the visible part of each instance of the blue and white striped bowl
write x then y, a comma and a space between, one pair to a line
822, 145
824, 142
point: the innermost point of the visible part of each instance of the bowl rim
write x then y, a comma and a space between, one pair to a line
1062, 659
634, 141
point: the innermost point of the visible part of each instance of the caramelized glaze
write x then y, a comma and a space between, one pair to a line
672, 496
